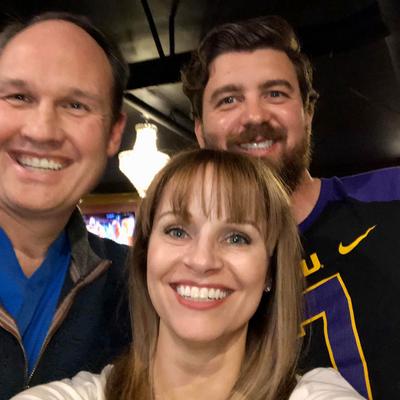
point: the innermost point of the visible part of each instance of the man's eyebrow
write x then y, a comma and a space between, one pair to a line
75, 92
276, 82
17, 83
230, 88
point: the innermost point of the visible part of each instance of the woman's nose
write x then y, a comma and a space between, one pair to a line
203, 256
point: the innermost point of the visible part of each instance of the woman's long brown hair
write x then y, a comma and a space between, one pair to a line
245, 188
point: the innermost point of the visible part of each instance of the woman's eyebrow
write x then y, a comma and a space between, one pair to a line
172, 213
246, 222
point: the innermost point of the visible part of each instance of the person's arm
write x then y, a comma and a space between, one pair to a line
324, 384
83, 386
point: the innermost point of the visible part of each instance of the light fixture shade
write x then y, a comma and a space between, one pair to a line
142, 163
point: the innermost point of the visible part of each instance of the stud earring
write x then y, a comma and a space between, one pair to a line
267, 287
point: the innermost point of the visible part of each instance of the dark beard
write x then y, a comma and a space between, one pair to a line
290, 168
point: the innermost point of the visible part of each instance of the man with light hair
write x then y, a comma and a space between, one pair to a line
61, 88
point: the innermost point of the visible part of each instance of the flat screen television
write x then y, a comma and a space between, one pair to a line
110, 216
115, 226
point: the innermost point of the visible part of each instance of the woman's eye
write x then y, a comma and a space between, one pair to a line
176, 232
238, 239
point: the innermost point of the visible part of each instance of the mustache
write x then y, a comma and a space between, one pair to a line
258, 132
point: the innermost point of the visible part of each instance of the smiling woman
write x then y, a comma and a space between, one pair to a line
215, 293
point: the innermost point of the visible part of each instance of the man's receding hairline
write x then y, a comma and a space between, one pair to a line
62, 22
35, 24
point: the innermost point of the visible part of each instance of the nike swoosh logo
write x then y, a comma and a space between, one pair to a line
343, 250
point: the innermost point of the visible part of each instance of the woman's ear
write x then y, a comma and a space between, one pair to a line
268, 285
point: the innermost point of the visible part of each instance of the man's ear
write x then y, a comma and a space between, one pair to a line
117, 129
309, 115
198, 130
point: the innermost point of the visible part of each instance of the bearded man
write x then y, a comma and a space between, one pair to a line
251, 92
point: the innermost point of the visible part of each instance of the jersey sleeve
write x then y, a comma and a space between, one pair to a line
324, 384
83, 386
379, 185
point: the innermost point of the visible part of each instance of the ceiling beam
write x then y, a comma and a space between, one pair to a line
149, 112
157, 71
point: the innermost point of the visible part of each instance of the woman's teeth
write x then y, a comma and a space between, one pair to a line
201, 293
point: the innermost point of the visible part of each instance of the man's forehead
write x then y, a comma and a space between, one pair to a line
242, 68
52, 34
56, 50
40, 29
229, 60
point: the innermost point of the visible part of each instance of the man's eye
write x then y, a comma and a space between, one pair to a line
17, 98
226, 101
229, 100
238, 239
77, 106
176, 232
277, 94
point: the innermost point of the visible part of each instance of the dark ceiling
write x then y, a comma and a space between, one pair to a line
354, 45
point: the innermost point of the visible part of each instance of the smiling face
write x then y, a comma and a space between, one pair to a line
55, 118
252, 104
205, 273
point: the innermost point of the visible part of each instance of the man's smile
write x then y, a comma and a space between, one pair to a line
266, 144
39, 163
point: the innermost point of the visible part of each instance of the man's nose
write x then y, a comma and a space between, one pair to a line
255, 112
203, 256
42, 124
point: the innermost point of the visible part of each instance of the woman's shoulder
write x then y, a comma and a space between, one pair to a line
324, 384
83, 386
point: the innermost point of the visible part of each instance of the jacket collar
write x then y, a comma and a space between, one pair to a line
84, 259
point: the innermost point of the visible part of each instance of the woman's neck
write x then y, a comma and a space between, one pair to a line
197, 371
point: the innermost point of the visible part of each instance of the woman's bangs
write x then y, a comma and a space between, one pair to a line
181, 186
233, 195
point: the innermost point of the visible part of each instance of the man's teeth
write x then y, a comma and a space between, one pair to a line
201, 293
257, 145
40, 163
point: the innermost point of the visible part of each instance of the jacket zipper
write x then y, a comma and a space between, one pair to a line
60, 315
29, 377
26, 362
65, 306
17, 336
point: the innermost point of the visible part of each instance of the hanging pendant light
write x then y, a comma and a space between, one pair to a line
142, 163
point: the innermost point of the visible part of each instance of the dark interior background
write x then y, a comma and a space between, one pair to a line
354, 45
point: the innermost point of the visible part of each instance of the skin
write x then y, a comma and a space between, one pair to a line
254, 97
55, 105
202, 347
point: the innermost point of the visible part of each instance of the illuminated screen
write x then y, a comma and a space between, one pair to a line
115, 226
